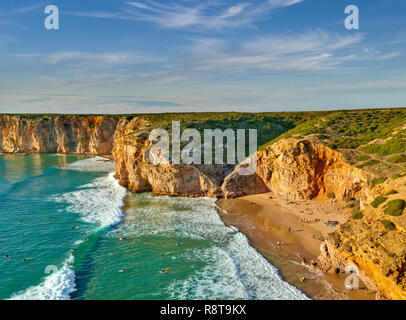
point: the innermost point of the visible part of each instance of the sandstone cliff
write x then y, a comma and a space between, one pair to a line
62, 134
135, 171
298, 169
374, 244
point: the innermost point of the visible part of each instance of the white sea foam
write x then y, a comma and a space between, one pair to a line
56, 286
95, 164
99, 201
233, 269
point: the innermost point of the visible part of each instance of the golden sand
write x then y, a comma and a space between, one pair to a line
289, 234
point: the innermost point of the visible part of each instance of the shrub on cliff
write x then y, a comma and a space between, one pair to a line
331, 195
378, 201
391, 192
357, 215
395, 207
378, 181
368, 164
345, 143
396, 176
362, 157
391, 146
389, 225
399, 158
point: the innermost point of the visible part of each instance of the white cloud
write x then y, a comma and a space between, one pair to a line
195, 15
89, 60
313, 51
283, 3
36, 7
54, 103
306, 53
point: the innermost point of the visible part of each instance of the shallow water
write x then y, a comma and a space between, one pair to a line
153, 248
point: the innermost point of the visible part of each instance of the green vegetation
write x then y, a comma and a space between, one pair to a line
378, 181
356, 210
331, 195
392, 146
378, 201
395, 207
268, 125
350, 129
391, 192
362, 157
389, 225
344, 129
335, 237
344, 143
357, 215
368, 164
399, 158
396, 176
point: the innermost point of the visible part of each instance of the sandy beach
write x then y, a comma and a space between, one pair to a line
289, 234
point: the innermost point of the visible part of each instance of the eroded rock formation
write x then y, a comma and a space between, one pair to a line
298, 169
135, 170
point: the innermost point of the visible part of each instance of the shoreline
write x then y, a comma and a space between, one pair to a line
289, 235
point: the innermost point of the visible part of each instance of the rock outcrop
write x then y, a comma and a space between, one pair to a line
91, 135
135, 170
298, 169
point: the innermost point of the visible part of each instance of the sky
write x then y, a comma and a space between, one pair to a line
147, 56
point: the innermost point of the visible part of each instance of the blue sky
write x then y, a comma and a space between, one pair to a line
122, 56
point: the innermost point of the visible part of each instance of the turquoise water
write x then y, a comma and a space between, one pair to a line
86, 237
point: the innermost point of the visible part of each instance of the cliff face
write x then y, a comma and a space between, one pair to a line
291, 168
64, 134
135, 171
298, 169
374, 245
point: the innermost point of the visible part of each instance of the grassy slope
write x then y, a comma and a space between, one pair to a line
374, 140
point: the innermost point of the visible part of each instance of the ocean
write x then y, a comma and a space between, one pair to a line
69, 231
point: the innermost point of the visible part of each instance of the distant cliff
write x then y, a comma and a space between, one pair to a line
91, 135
